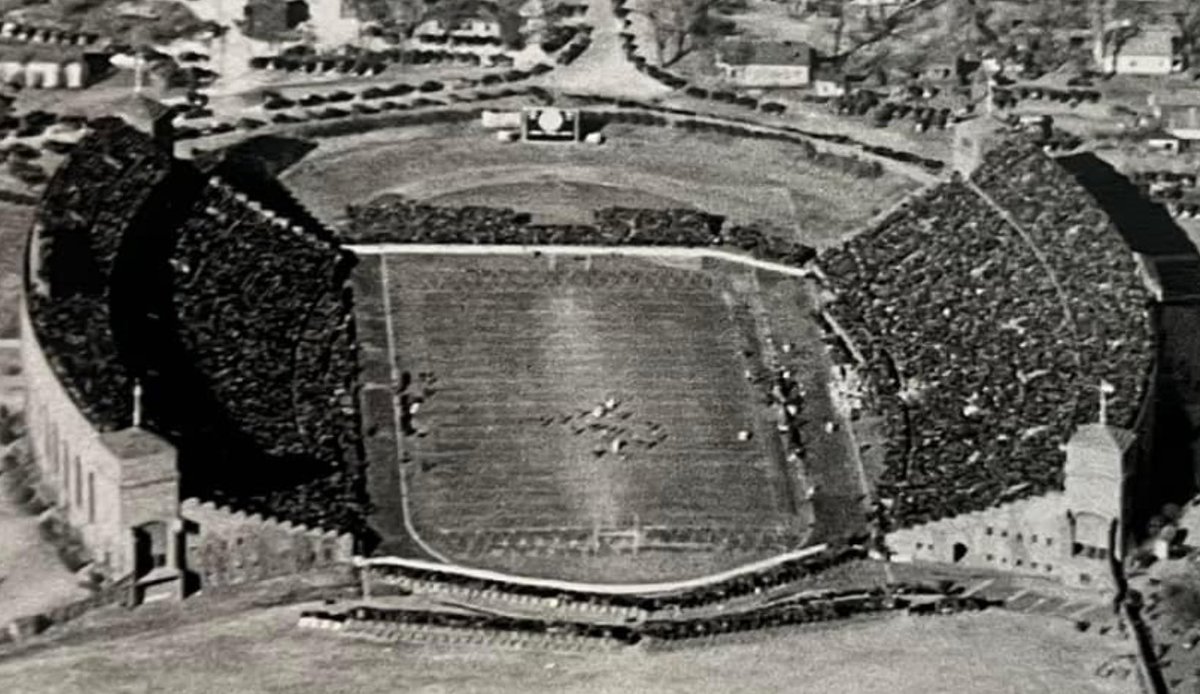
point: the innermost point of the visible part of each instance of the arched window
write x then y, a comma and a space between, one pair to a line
959, 552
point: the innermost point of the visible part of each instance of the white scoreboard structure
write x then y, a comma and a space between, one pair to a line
549, 124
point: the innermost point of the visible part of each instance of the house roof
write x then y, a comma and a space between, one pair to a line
1154, 41
141, 108
450, 14
134, 443
23, 51
765, 53
1180, 116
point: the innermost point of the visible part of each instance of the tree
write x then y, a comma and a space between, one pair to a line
678, 24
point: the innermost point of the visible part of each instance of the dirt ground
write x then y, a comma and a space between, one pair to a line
264, 651
32, 578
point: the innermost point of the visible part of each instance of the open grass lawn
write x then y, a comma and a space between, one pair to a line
742, 179
509, 461
14, 226
263, 651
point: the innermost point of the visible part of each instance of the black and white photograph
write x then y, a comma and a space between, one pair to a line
600, 346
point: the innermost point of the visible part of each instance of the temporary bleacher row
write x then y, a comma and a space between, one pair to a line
395, 219
535, 630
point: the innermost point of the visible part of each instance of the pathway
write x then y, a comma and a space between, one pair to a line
602, 68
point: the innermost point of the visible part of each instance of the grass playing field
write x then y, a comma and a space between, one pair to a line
566, 406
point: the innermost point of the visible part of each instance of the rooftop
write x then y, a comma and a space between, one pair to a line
1151, 41
765, 53
22, 51
1180, 116
1103, 436
134, 442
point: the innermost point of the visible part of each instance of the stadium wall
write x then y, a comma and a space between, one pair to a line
119, 490
226, 547
1068, 536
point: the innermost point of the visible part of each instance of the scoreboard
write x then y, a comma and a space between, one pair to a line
550, 125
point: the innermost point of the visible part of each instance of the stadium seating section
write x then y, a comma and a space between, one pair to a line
261, 312
987, 313
86, 210
988, 319
394, 219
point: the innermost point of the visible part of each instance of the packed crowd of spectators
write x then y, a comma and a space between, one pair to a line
265, 320
961, 332
1092, 263
255, 305
395, 219
83, 218
260, 303
985, 344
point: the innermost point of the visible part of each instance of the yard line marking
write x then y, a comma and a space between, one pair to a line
397, 430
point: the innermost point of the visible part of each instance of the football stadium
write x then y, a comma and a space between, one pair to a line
652, 405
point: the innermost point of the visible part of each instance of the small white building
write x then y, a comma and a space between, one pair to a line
1150, 51
46, 68
472, 27
1180, 120
766, 63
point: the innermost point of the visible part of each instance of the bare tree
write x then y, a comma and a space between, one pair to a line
677, 25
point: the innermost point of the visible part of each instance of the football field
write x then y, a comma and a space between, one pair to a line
566, 406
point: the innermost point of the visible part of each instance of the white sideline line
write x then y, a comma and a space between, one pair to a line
515, 249
397, 431
602, 588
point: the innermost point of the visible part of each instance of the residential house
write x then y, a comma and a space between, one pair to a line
481, 21
1149, 51
767, 63
50, 66
1180, 120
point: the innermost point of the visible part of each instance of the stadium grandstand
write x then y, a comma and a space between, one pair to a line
185, 340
